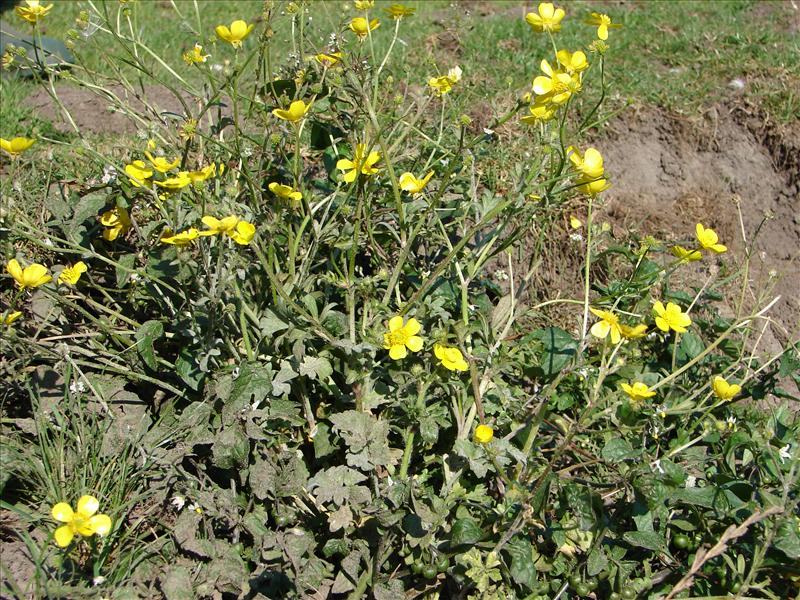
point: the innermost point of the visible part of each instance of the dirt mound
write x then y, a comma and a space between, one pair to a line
670, 173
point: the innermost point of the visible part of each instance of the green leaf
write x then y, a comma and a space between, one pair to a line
465, 532
176, 584
707, 497
558, 349
187, 369
523, 570
149, 332
367, 439
280, 384
787, 539
316, 367
618, 449
646, 539
597, 561
270, 324
691, 346
336, 484
231, 448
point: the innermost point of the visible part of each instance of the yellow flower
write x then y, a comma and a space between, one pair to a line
685, 255
547, 19
638, 391
9, 318
573, 62
603, 24
177, 182
33, 11
285, 192
671, 317
329, 60
71, 275
401, 337
575, 222
31, 276
138, 173
633, 332
398, 11
708, 239
590, 164
195, 55
592, 187
243, 234
361, 27
234, 36
161, 164
451, 358
297, 110
541, 110
364, 4
83, 522
116, 221
483, 434
556, 85
724, 390
411, 184
16, 146
240, 232
203, 174
608, 323
360, 164
182, 238
444, 83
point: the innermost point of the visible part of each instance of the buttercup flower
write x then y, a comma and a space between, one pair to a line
297, 110
364, 4
592, 187
450, 358
10, 317
573, 62
708, 239
195, 55
285, 192
32, 11
361, 27
411, 184
444, 83
633, 332
638, 391
575, 222
176, 182
236, 34
541, 110
402, 337
205, 173
603, 24
161, 164
115, 221
556, 85
71, 275
138, 173
31, 276
590, 164
547, 19
240, 232
83, 521
16, 146
483, 434
329, 60
685, 255
398, 11
360, 164
182, 238
608, 324
671, 317
724, 390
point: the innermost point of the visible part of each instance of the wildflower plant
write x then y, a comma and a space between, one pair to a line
263, 340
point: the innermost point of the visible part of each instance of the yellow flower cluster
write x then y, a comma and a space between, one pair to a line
444, 83
590, 169
16, 146
362, 163
140, 174
235, 34
707, 239
32, 11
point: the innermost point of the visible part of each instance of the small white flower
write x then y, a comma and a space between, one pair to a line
196, 508
691, 481
785, 452
77, 387
576, 237
658, 467
178, 502
99, 580
109, 174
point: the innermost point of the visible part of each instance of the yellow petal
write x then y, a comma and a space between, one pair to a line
414, 343
100, 524
395, 323
63, 535
15, 270
223, 32
62, 512
412, 327
238, 29
87, 506
398, 352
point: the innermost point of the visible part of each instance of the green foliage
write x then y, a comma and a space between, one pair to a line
234, 405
